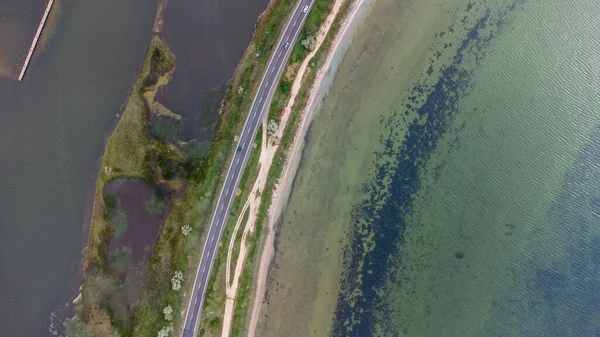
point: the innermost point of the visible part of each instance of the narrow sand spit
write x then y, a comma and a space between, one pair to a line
283, 189
267, 155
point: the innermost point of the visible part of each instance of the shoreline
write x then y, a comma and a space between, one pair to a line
319, 89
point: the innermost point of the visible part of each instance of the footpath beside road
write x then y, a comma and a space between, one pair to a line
292, 161
258, 112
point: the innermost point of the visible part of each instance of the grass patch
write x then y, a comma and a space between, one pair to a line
197, 170
126, 149
214, 301
313, 22
126, 156
171, 252
111, 206
316, 17
122, 224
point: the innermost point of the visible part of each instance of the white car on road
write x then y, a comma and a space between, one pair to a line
304, 9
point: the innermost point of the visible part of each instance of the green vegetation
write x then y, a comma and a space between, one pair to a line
111, 205
122, 258
127, 148
215, 296
122, 224
126, 156
156, 205
246, 284
214, 302
317, 15
189, 175
130, 153
285, 86
315, 18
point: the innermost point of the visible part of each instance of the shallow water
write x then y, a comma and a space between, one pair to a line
465, 183
136, 222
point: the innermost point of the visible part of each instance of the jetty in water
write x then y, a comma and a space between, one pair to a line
35, 39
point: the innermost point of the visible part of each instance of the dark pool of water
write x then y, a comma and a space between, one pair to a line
208, 38
142, 227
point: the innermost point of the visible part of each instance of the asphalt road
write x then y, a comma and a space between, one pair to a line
258, 111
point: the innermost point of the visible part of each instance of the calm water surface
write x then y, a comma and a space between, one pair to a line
467, 182
208, 38
481, 214
52, 131
54, 123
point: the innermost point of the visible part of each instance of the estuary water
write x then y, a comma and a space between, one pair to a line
208, 37
463, 198
52, 130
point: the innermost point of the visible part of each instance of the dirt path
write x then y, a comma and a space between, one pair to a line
267, 154
281, 192
266, 157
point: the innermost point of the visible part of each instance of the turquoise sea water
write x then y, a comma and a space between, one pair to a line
480, 215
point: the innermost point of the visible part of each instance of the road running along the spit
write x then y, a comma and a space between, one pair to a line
258, 111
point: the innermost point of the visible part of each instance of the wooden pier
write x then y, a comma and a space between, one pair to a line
35, 39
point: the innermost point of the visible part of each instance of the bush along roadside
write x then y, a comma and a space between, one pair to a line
123, 297
215, 297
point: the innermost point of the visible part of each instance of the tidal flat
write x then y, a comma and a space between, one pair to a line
448, 185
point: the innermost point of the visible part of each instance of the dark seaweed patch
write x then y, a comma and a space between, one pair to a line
382, 214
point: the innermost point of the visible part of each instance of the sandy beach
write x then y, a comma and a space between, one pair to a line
319, 90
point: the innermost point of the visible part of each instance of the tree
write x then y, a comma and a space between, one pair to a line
165, 331
309, 43
177, 280
285, 86
168, 312
186, 230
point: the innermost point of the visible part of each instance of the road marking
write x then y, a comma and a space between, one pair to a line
238, 160
252, 126
212, 239
260, 99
